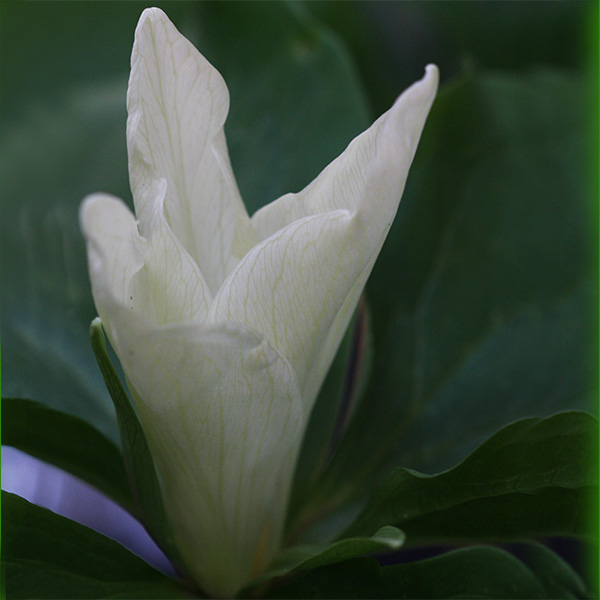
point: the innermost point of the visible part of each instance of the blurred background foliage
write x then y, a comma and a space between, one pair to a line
482, 304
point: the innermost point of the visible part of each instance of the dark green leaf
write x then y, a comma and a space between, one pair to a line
304, 558
478, 572
47, 303
67, 442
356, 578
533, 478
385, 539
138, 459
557, 577
491, 258
45, 555
494, 246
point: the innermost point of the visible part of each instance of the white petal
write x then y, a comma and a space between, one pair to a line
292, 287
177, 104
301, 284
155, 277
369, 176
178, 289
115, 253
223, 415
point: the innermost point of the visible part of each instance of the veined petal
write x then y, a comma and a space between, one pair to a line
369, 176
224, 420
292, 286
155, 277
300, 285
177, 288
115, 253
177, 104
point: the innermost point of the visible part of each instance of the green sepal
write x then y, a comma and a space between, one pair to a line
139, 464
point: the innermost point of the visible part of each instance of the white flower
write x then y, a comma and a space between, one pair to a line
226, 325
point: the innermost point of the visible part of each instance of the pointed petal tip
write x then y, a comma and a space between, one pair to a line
149, 22
152, 15
432, 76
424, 90
409, 113
432, 70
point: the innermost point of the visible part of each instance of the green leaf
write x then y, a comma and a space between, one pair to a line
304, 558
478, 572
138, 459
45, 555
47, 303
67, 442
533, 478
495, 248
355, 578
554, 573
491, 259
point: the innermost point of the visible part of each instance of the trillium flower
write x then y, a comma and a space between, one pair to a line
226, 325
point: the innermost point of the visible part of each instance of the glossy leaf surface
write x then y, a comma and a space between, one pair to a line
533, 478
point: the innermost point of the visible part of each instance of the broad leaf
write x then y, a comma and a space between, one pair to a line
491, 261
67, 442
494, 249
355, 578
47, 304
554, 573
138, 459
304, 558
45, 555
481, 572
533, 478
478, 572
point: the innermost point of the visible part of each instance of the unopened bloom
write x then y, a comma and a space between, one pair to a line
226, 325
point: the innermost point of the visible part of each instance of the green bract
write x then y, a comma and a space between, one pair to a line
226, 325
